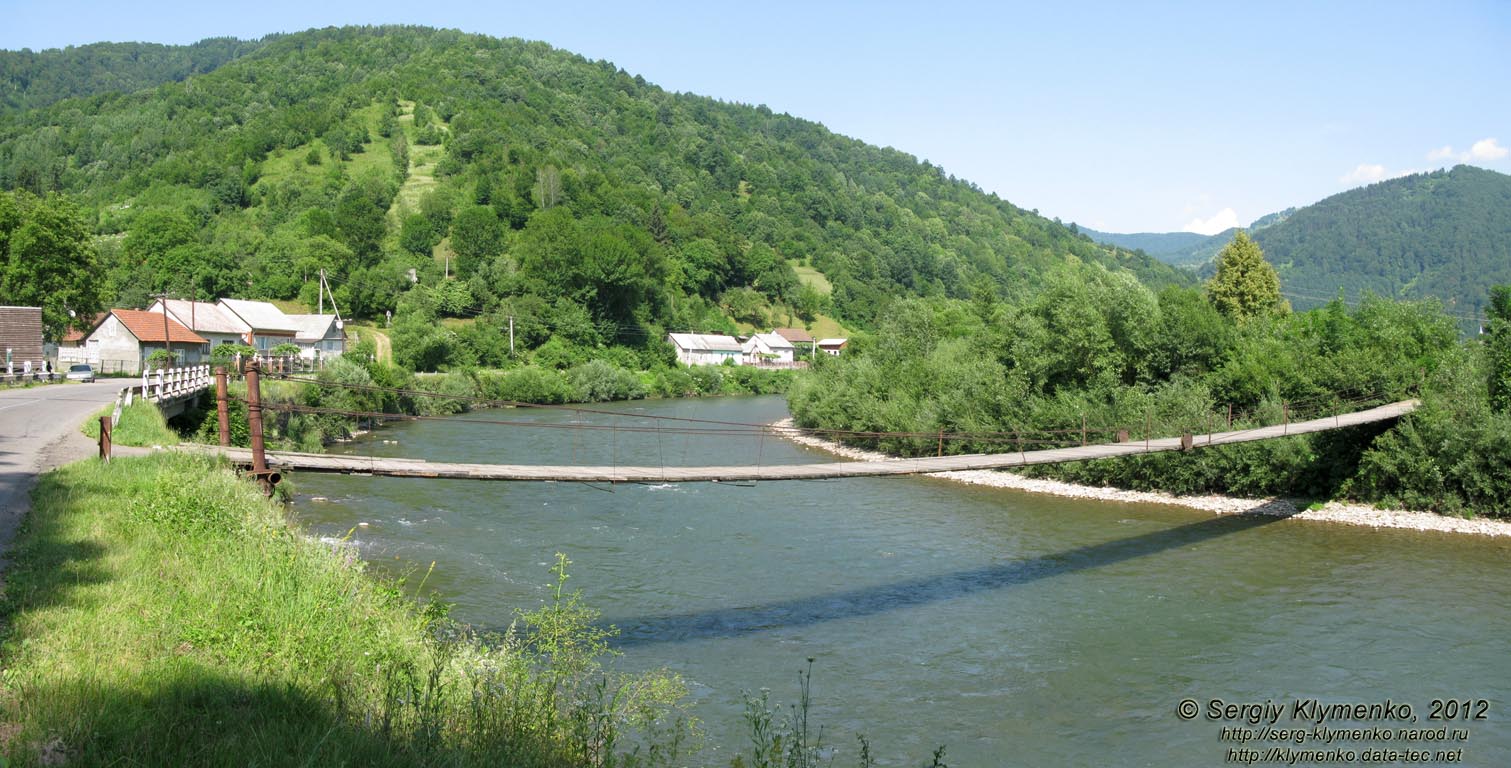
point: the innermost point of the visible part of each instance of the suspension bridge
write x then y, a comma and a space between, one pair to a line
283, 461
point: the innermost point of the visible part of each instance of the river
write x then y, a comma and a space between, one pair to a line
1014, 629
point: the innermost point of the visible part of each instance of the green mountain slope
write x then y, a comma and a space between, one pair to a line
545, 186
1445, 234
36, 79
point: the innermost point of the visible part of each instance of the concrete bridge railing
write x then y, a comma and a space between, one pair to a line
169, 388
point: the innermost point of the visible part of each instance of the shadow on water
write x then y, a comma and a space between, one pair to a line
867, 601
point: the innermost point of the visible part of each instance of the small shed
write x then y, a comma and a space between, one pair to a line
21, 338
832, 346
705, 348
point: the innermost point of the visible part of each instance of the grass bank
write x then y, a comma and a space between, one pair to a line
141, 424
158, 611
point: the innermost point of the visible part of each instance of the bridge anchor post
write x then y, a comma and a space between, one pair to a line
264, 476
1186, 441
222, 409
105, 439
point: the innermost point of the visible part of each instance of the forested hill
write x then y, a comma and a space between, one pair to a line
36, 79
1445, 234
1165, 246
1185, 249
546, 185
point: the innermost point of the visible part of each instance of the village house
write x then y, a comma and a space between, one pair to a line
123, 339
802, 343
705, 348
832, 346
767, 349
319, 336
212, 322
268, 326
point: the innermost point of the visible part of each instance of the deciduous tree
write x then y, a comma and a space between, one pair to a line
48, 260
1499, 347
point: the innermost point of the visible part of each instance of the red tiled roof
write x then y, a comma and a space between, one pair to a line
76, 335
148, 326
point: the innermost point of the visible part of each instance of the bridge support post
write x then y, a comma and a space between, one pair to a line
266, 478
105, 439
222, 409
1285, 413
1083, 430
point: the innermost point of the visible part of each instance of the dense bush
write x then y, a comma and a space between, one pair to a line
1097, 349
599, 381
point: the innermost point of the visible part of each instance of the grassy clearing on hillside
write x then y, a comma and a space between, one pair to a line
813, 277
159, 611
422, 160
284, 164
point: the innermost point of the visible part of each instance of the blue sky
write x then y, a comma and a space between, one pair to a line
1119, 116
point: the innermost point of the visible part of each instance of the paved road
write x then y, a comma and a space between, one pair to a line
39, 430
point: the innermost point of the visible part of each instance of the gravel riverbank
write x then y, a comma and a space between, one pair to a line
1333, 512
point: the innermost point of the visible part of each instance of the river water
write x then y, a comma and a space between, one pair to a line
1011, 628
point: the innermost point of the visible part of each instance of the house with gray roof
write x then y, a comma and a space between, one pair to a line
268, 326
210, 321
705, 348
319, 336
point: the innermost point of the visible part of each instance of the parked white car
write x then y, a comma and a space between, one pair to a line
80, 372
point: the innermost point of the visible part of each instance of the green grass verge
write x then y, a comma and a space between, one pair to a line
159, 611
142, 424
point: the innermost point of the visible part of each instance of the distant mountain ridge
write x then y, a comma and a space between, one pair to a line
1444, 234
1183, 249
1156, 244
33, 79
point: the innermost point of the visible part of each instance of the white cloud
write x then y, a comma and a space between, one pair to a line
1483, 150
1226, 218
1444, 152
1365, 173
1488, 149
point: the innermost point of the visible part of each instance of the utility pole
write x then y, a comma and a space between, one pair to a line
511, 335
322, 290
167, 341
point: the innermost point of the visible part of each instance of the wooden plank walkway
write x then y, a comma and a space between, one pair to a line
373, 465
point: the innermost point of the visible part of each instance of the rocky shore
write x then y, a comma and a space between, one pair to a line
1333, 512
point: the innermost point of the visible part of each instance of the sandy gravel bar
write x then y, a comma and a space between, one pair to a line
1333, 512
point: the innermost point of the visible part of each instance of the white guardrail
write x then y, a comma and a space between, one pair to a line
163, 384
